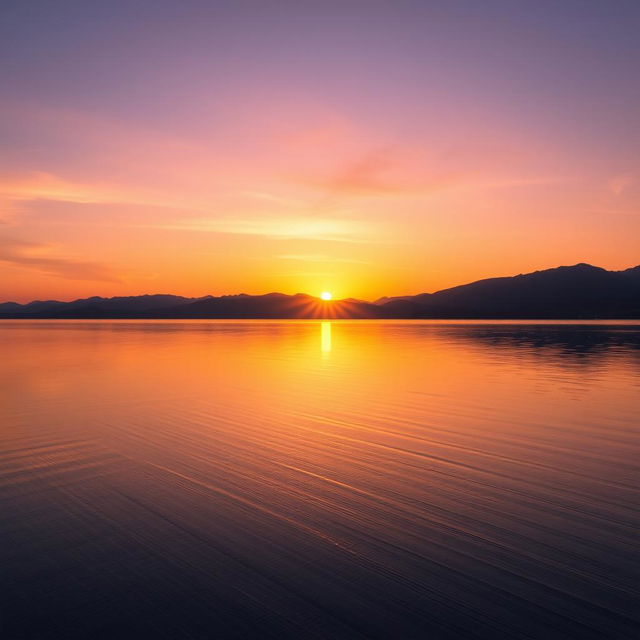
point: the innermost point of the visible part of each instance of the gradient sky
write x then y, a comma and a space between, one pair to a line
366, 148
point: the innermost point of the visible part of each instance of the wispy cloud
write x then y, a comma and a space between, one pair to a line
619, 184
367, 174
376, 172
304, 274
43, 258
319, 257
283, 228
40, 185
266, 196
397, 172
615, 212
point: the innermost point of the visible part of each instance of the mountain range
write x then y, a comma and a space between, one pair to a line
581, 291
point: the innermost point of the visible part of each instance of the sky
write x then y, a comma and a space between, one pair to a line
365, 148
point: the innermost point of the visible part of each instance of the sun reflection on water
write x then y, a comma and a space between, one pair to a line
325, 338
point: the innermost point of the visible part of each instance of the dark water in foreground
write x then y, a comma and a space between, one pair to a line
319, 480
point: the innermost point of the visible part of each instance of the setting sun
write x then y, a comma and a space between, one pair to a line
326, 295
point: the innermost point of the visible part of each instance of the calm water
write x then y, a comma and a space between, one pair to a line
319, 480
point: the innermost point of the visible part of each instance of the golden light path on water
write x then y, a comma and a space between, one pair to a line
325, 337
319, 479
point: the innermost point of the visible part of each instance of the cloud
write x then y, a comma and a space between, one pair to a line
281, 228
398, 172
618, 184
40, 257
305, 274
41, 185
376, 172
272, 198
365, 175
319, 257
616, 212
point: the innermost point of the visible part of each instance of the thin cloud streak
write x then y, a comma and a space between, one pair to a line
397, 173
40, 185
615, 212
317, 257
289, 228
39, 257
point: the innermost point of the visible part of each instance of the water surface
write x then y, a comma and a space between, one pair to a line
218, 479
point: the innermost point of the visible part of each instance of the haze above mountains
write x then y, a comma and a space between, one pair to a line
581, 291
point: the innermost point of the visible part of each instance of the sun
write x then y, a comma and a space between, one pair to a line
326, 295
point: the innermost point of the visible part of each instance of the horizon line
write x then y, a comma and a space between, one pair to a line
317, 297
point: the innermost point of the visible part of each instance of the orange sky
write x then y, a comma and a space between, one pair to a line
190, 165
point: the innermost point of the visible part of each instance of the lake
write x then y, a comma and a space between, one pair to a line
343, 479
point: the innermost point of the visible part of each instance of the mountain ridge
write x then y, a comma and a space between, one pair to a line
580, 291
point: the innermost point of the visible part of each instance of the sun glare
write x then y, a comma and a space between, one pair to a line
326, 295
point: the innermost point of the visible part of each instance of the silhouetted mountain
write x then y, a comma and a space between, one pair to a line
580, 291
386, 299
95, 307
37, 306
271, 305
274, 305
10, 307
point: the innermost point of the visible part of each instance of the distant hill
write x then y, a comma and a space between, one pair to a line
95, 307
273, 305
580, 291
